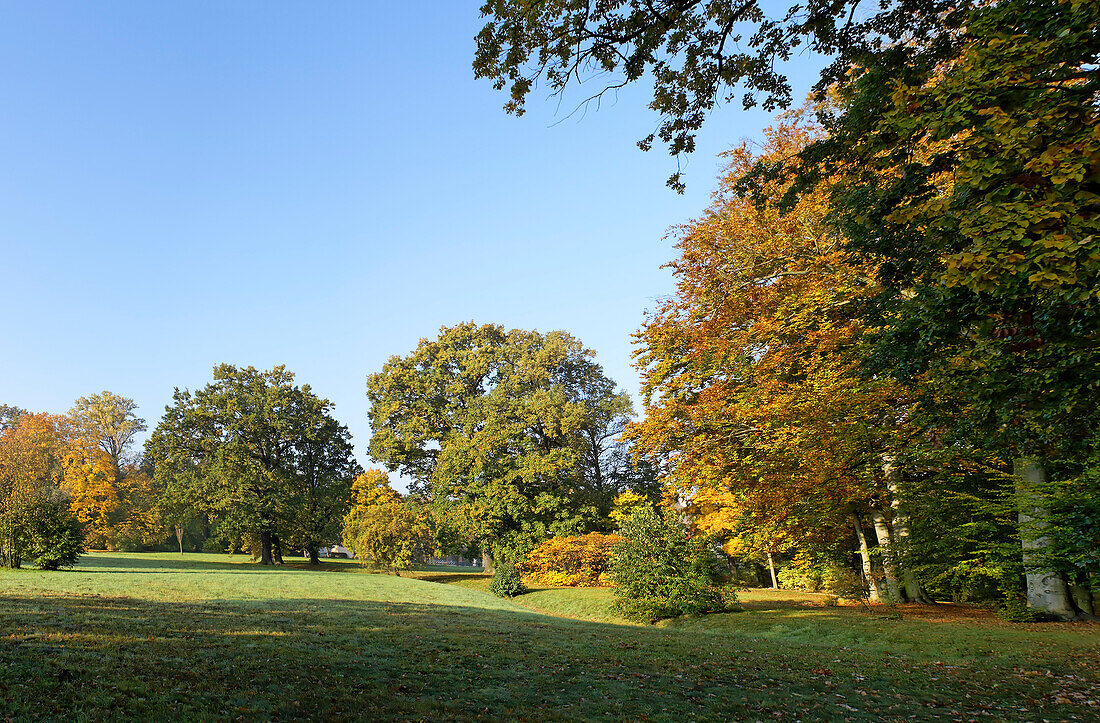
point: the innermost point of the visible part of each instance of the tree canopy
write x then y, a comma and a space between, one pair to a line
260, 454
513, 425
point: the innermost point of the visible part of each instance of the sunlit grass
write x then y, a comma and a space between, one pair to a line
214, 637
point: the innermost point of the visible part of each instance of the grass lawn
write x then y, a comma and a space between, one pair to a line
208, 637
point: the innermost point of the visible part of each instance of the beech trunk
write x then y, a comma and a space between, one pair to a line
873, 593
889, 564
771, 567
1047, 591
911, 588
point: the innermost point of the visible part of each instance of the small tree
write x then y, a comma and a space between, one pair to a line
662, 571
385, 530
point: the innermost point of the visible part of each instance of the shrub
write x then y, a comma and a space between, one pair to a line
52, 537
662, 571
507, 581
575, 561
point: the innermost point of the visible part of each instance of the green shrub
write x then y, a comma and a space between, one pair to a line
507, 581
1015, 610
52, 537
662, 571
574, 561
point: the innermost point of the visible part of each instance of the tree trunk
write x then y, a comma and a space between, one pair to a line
487, 560
1047, 591
276, 550
865, 558
1081, 594
265, 548
889, 565
179, 538
771, 566
910, 586
314, 558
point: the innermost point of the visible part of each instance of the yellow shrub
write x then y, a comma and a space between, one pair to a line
577, 561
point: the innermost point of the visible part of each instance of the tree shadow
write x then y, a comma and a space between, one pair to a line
127, 658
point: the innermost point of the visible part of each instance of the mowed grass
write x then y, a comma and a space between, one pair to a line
209, 637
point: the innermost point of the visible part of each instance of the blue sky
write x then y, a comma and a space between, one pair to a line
312, 184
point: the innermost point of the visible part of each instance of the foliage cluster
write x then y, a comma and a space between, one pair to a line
36, 523
507, 579
385, 530
572, 561
661, 570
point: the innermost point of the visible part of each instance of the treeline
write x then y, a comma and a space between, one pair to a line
886, 338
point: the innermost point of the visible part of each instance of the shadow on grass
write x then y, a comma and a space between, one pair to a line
110, 658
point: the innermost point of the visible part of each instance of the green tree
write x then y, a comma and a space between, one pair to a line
261, 455
512, 426
10, 416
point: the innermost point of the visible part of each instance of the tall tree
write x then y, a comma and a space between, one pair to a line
513, 425
261, 454
756, 403
109, 421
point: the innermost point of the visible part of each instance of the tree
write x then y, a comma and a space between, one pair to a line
698, 53
35, 522
511, 426
973, 179
108, 421
756, 405
10, 416
261, 455
386, 530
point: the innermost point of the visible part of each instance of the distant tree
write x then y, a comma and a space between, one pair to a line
261, 455
513, 426
386, 530
108, 421
10, 415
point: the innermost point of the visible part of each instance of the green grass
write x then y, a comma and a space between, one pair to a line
205, 637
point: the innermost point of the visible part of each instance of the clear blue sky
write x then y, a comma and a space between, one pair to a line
312, 184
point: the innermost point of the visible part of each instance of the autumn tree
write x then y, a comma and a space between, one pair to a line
261, 455
36, 524
110, 423
386, 530
986, 215
757, 407
512, 426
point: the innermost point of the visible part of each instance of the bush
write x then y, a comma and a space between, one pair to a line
52, 537
805, 574
576, 561
662, 571
507, 581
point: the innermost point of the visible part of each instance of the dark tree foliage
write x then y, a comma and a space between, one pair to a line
698, 53
261, 455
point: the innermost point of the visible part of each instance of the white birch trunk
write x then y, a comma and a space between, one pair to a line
865, 557
1047, 591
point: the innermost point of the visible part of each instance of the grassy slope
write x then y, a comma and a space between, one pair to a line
206, 637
